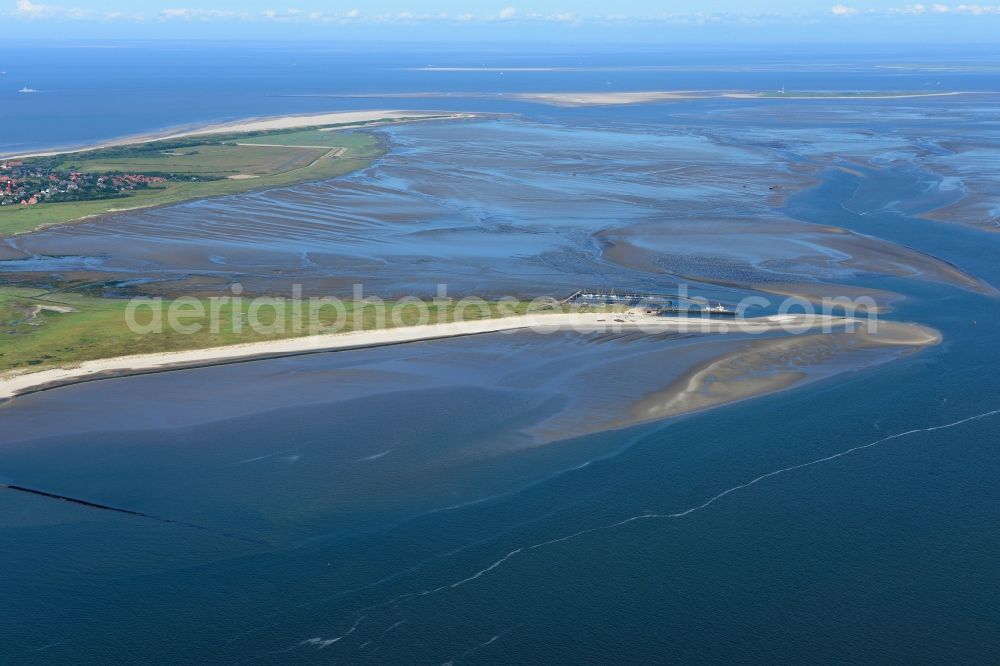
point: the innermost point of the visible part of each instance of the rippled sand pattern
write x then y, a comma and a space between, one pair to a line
495, 207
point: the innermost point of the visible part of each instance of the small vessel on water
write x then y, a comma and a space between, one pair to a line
720, 309
26, 89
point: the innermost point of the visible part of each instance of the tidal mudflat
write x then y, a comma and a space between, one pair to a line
495, 207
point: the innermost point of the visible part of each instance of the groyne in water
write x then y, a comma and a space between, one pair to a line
138, 514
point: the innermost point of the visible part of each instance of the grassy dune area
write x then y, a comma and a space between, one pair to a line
42, 329
223, 160
199, 167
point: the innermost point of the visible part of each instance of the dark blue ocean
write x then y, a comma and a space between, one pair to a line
90, 91
853, 520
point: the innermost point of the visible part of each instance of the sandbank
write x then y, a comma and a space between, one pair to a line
254, 125
779, 363
620, 98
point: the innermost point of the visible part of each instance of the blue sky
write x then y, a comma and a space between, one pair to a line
759, 21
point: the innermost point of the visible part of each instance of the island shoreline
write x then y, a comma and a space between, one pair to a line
14, 384
249, 125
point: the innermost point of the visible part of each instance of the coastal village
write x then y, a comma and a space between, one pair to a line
31, 184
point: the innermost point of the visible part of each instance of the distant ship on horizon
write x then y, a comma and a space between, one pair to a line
26, 89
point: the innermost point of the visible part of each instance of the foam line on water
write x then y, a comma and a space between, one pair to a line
694, 509
266, 456
368, 643
317, 642
322, 643
402, 598
476, 648
397, 574
385, 529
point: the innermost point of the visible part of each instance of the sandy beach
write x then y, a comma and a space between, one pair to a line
16, 383
254, 125
651, 97
611, 99
311, 120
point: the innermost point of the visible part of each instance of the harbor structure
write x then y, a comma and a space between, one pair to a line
652, 303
